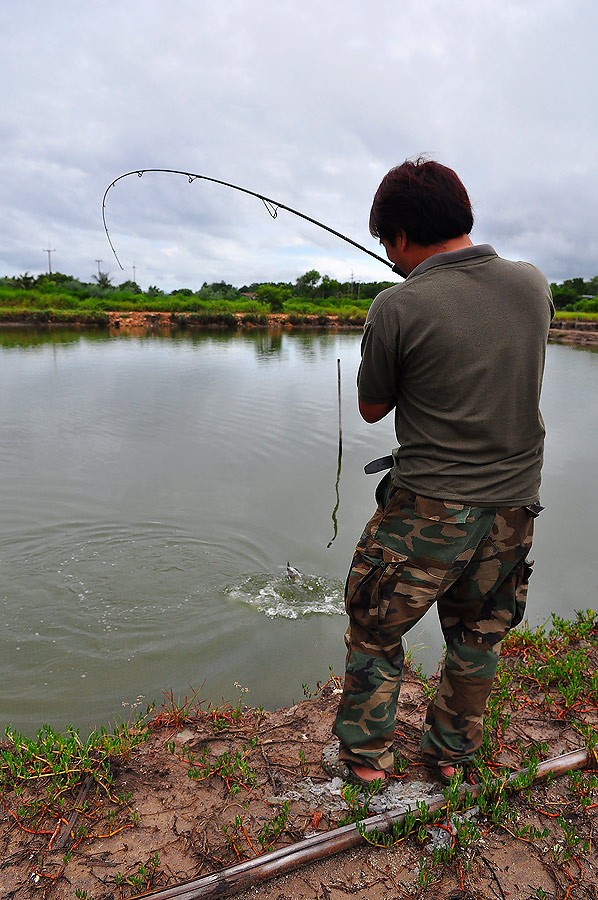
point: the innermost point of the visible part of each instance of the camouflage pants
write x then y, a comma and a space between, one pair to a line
416, 551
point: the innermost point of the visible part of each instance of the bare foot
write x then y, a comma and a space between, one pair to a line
367, 773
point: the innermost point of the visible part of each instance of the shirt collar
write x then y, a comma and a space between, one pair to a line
444, 259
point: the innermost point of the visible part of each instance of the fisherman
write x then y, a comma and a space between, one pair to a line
457, 351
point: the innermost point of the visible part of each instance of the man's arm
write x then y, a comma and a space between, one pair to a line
377, 375
373, 412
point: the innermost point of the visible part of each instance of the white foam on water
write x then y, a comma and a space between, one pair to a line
277, 597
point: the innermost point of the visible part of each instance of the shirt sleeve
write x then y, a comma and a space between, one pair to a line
376, 378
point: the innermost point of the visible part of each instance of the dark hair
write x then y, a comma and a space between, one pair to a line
423, 198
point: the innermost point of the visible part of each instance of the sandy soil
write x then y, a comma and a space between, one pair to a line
203, 769
138, 322
583, 334
578, 334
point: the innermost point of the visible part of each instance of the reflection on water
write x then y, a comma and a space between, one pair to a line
153, 489
340, 456
267, 344
29, 337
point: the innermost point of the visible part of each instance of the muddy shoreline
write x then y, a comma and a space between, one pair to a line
573, 332
137, 323
580, 334
141, 322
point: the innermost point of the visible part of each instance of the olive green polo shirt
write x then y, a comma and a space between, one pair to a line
459, 347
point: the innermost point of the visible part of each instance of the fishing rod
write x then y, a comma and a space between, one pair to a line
272, 207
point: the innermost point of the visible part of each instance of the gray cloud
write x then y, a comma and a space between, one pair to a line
308, 102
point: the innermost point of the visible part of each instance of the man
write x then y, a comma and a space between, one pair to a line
457, 351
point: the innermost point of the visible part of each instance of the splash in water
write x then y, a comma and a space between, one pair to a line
277, 596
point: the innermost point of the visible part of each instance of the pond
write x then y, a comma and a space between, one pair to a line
153, 490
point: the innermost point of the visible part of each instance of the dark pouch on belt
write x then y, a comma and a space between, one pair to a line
534, 509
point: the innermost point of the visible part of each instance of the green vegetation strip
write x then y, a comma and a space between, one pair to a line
21, 296
41, 773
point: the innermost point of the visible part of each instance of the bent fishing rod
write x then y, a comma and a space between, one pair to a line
272, 207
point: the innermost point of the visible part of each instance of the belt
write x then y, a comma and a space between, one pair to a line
387, 462
378, 465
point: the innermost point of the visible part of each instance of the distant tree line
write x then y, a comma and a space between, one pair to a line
315, 287
576, 295
310, 288
310, 291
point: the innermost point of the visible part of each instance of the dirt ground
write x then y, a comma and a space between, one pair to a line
212, 786
576, 334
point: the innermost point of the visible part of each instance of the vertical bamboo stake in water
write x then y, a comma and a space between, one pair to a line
340, 454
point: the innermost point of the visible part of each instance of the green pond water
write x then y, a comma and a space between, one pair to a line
154, 488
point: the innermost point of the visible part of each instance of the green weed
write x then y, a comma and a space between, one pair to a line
271, 830
302, 760
234, 769
61, 760
235, 833
143, 878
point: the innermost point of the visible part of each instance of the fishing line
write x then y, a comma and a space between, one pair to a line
272, 206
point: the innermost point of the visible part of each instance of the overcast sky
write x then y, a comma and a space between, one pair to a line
308, 102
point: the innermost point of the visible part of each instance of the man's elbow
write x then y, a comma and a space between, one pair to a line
373, 412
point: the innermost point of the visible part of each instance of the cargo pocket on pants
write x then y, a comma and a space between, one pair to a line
371, 581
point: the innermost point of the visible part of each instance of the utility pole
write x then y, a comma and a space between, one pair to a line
49, 251
98, 262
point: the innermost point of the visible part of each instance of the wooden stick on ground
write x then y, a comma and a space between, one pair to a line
80, 798
319, 846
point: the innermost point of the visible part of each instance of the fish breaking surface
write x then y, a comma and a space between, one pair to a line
278, 597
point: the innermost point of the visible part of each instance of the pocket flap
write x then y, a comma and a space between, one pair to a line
380, 555
441, 510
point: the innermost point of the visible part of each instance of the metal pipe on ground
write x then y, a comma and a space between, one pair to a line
244, 875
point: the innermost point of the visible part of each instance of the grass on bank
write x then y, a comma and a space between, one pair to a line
20, 301
576, 316
233, 318
311, 294
21, 305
